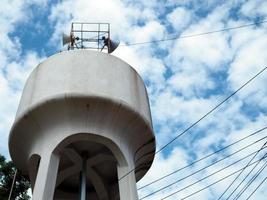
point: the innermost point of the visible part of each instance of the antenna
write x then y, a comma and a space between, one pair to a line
95, 36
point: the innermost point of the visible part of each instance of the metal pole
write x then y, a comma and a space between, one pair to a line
109, 38
83, 178
82, 34
12, 186
98, 37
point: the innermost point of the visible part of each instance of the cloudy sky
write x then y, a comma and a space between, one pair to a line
185, 78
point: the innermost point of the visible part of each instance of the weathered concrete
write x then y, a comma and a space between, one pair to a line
83, 101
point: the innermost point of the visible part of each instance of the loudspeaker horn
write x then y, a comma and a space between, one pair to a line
66, 39
112, 45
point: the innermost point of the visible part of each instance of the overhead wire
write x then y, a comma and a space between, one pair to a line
188, 36
257, 188
203, 158
200, 119
177, 37
216, 172
230, 185
211, 111
243, 181
219, 180
251, 180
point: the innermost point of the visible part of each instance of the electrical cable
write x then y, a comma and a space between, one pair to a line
231, 174
203, 158
201, 118
213, 182
213, 109
194, 35
167, 186
263, 146
251, 180
257, 188
242, 182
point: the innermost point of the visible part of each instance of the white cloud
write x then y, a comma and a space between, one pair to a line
151, 68
179, 18
151, 31
190, 82
14, 68
91, 11
11, 85
210, 51
249, 60
254, 8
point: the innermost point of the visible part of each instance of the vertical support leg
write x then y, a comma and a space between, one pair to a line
127, 185
83, 179
46, 178
33, 168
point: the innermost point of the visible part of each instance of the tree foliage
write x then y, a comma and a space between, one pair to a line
21, 186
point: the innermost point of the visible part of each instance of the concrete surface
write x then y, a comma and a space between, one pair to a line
83, 101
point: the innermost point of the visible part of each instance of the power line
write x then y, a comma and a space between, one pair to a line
210, 165
212, 110
194, 35
263, 146
243, 181
204, 116
242, 190
251, 180
188, 36
203, 158
167, 186
213, 182
257, 188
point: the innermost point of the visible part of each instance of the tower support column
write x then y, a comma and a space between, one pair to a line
83, 178
46, 177
127, 185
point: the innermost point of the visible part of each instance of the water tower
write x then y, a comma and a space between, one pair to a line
83, 128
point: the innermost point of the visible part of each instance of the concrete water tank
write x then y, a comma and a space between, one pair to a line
83, 127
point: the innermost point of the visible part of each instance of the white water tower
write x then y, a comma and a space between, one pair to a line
83, 128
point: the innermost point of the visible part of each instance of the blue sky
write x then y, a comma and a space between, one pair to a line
185, 78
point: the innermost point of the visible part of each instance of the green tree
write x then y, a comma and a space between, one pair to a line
21, 186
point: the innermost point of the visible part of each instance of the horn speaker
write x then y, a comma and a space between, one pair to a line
112, 45
66, 39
